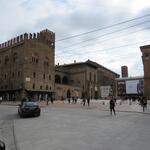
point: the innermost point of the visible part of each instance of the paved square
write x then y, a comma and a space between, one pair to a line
83, 129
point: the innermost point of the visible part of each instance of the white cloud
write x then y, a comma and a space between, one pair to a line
69, 17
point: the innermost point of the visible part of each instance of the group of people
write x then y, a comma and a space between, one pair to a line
74, 100
142, 102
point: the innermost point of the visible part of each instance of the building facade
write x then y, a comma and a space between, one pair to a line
27, 66
146, 65
84, 79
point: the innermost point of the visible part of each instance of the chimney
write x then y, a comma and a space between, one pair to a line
74, 61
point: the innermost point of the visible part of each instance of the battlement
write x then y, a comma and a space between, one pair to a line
44, 35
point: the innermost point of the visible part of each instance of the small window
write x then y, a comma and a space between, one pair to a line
43, 76
6, 60
41, 87
15, 57
33, 86
146, 56
34, 74
50, 87
49, 77
46, 61
5, 76
18, 74
46, 87
37, 60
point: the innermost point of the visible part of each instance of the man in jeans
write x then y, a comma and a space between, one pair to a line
112, 106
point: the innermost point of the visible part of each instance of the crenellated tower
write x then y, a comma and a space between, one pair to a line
27, 66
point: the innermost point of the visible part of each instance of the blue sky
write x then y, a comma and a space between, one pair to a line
71, 17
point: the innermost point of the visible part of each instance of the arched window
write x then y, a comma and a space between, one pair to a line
46, 87
6, 60
34, 74
33, 86
35, 58
65, 80
15, 57
57, 79
49, 77
46, 61
43, 76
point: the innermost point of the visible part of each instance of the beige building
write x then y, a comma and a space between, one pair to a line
82, 79
27, 66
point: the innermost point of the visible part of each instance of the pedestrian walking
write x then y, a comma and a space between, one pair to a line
144, 103
73, 99
112, 107
88, 101
69, 100
84, 100
52, 100
47, 102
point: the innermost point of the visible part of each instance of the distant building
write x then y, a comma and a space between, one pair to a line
27, 66
146, 63
129, 86
82, 79
124, 71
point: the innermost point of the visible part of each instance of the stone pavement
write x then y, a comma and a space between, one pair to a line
94, 104
7, 134
82, 129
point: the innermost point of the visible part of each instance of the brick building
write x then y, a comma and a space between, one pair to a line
27, 66
82, 78
146, 63
27, 69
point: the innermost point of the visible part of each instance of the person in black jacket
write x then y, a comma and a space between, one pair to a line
112, 106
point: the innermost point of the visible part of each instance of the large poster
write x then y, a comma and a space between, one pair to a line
131, 86
134, 87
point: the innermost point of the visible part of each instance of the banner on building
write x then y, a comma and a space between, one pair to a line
105, 91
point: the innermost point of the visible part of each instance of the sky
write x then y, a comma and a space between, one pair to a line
112, 47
